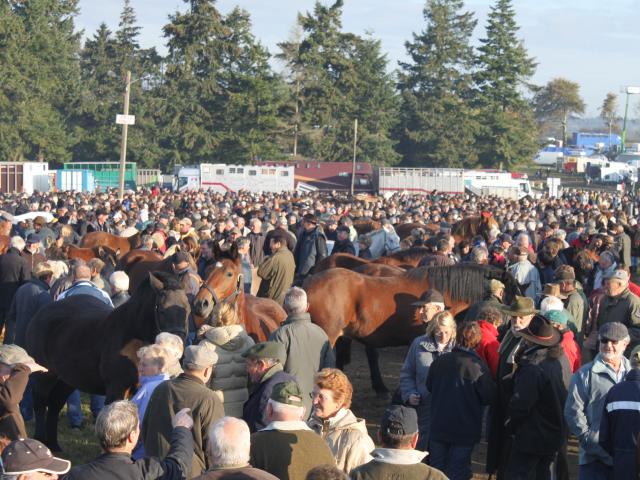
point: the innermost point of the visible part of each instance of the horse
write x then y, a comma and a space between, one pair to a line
5, 241
132, 257
225, 284
139, 265
116, 243
341, 260
469, 227
404, 229
87, 345
378, 311
379, 270
407, 257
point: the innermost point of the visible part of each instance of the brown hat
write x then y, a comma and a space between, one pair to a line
520, 306
552, 290
27, 455
541, 332
40, 220
564, 272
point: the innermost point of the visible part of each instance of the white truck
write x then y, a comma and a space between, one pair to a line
222, 178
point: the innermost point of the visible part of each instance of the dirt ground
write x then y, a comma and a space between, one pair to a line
367, 405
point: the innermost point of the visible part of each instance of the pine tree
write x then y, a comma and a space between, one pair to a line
508, 131
438, 125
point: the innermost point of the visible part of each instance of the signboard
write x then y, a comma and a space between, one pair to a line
553, 184
125, 119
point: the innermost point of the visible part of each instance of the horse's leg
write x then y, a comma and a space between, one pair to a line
57, 398
343, 352
377, 383
41, 390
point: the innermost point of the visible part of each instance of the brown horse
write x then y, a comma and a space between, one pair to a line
403, 258
138, 263
134, 256
365, 225
116, 243
469, 227
379, 270
5, 240
404, 229
225, 284
378, 311
340, 260
408, 258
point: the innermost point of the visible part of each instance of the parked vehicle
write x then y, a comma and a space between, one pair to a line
23, 176
107, 174
222, 178
420, 180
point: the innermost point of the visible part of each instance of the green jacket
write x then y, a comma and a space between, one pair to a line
277, 273
167, 399
625, 308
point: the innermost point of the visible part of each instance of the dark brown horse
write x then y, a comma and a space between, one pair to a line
225, 284
139, 265
87, 345
379, 270
404, 229
408, 258
378, 311
116, 243
403, 258
340, 260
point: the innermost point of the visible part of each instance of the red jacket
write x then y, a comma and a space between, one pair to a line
571, 350
488, 347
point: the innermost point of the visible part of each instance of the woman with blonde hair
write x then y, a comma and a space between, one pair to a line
152, 363
439, 339
229, 341
333, 420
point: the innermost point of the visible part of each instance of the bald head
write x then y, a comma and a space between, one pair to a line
229, 442
81, 272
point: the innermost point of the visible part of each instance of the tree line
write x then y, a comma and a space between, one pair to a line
218, 96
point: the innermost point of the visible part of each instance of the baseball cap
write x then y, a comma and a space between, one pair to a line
199, 357
399, 420
12, 354
33, 238
27, 455
288, 393
615, 331
618, 275
271, 350
343, 228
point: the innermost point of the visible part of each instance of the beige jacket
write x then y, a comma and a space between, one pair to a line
229, 380
347, 438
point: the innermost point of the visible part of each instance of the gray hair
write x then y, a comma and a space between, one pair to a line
295, 300
229, 442
479, 255
119, 281
17, 242
115, 423
172, 343
243, 242
551, 303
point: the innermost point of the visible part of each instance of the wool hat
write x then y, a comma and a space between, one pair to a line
267, 350
343, 228
613, 331
288, 393
557, 316
541, 332
399, 420
430, 296
310, 218
13, 354
199, 357
520, 306
27, 455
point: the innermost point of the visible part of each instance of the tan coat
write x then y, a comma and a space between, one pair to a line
347, 438
229, 381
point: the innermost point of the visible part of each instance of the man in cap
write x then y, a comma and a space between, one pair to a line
46, 234
190, 281
525, 273
576, 302
31, 252
15, 367
535, 411
492, 299
14, 271
28, 459
429, 303
278, 270
310, 248
521, 311
307, 345
342, 243
186, 230
287, 447
188, 390
264, 364
620, 423
587, 394
100, 223
620, 305
118, 429
397, 456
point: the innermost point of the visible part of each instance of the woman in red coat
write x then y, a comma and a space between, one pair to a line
489, 319
559, 319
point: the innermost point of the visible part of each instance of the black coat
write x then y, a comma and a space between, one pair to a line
536, 410
345, 246
310, 249
29, 298
120, 466
14, 271
460, 385
256, 405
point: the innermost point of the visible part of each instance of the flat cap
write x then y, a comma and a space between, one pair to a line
288, 393
199, 357
430, 296
399, 420
618, 275
613, 331
271, 350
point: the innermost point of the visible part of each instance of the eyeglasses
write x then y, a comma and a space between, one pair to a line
605, 340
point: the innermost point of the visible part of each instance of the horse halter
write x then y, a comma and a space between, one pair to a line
216, 300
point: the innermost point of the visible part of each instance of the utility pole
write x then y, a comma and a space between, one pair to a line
353, 166
125, 130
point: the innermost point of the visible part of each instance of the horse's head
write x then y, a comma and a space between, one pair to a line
109, 257
171, 304
224, 285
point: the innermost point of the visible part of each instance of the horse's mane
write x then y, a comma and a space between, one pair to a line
410, 254
462, 282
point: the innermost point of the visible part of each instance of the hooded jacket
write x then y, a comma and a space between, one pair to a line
229, 380
347, 438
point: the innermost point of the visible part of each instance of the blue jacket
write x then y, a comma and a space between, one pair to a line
585, 403
85, 287
413, 376
141, 399
620, 425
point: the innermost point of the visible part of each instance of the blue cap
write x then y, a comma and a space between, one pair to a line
33, 238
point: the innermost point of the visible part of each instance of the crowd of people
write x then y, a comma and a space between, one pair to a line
525, 370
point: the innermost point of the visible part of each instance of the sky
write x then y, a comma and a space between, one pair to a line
591, 42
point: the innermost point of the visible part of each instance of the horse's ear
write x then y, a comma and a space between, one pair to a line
155, 282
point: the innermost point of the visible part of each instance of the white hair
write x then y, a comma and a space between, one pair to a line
551, 303
172, 343
295, 300
59, 268
229, 442
17, 242
119, 281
